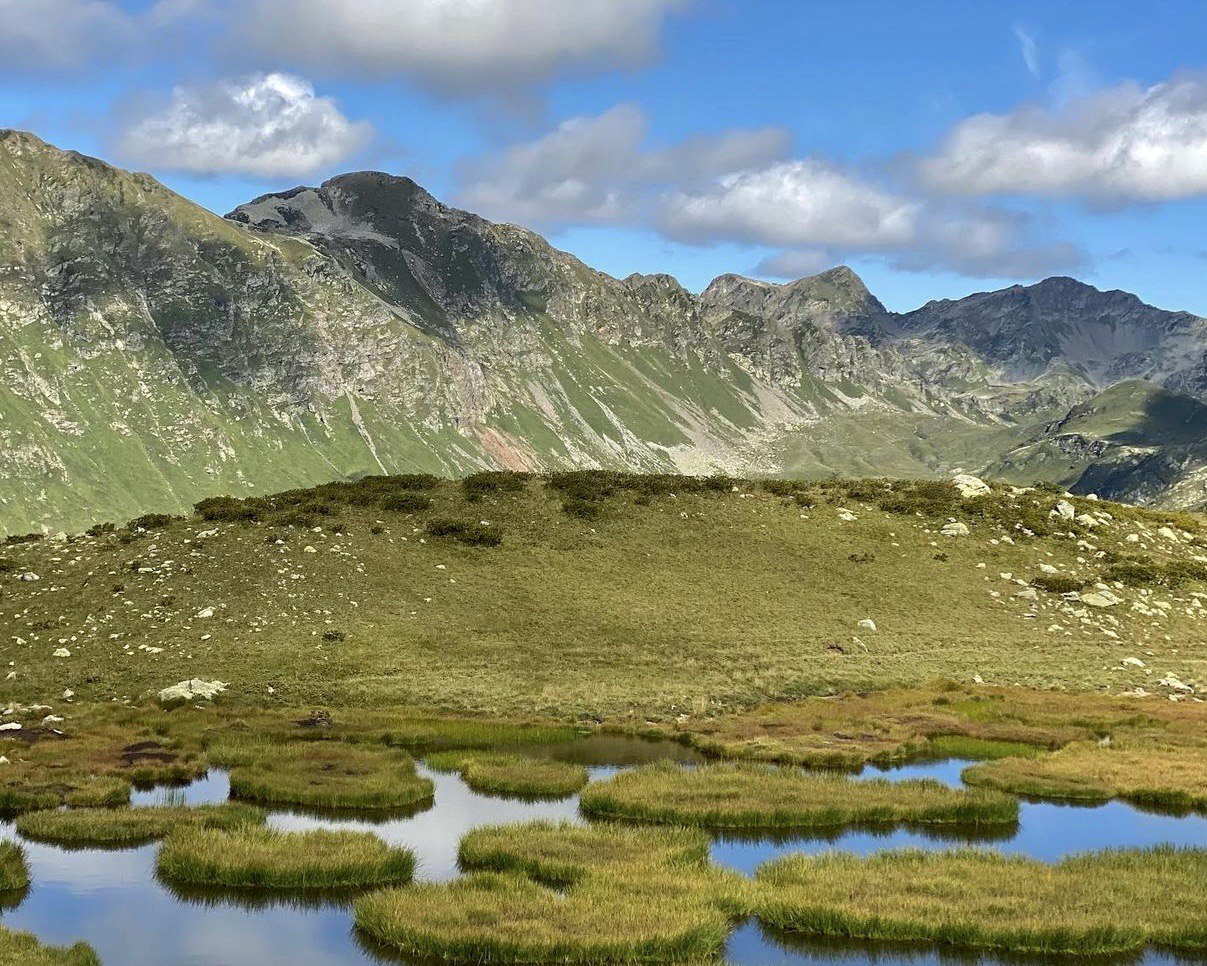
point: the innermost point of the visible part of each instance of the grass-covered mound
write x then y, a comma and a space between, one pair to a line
121, 827
545, 893
330, 774
23, 949
1146, 770
519, 775
757, 796
1096, 904
14, 873
257, 857
678, 597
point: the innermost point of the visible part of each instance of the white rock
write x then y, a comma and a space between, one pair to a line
10, 726
205, 613
61, 652
191, 690
1065, 510
1133, 662
3, 759
846, 516
1167, 534
29, 577
309, 549
1132, 538
1047, 568
1174, 684
51, 719
1027, 594
956, 529
68, 694
867, 624
970, 486
1101, 598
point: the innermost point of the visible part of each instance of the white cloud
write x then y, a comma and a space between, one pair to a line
454, 45
268, 125
1125, 144
791, 203
59, 34
598, 170
1029, 49
741, 187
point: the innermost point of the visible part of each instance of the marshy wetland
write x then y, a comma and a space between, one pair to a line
796, 723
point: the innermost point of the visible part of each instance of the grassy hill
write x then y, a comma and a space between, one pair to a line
596, 595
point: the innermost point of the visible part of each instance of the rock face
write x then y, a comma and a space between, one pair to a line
152, 353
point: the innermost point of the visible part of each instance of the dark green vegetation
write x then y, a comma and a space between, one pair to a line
124, 827
22, 949
255, 857
758, 595
328, 774
547, 893
759, 796
14, 874
500, 774
1096, 904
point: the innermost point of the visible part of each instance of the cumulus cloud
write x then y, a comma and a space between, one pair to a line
597, 169
268, 125
742, 187
1125, 144
56, 34
454, 45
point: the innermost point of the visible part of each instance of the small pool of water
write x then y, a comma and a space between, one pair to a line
112, 900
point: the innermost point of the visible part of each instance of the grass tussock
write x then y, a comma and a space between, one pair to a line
756, 796
980, 749
329, 774
549, 893
257, 857
1158, 773
24, 949
499, 774
1097, 904
122, 827
14, 873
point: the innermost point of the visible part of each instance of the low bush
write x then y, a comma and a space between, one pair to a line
151, 521
406, 503
466, 532
477, 485
227, 509
1057, 583
1143, 572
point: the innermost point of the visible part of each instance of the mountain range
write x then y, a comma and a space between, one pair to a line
153, 353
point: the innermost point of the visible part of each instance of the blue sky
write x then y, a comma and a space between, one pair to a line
937, 147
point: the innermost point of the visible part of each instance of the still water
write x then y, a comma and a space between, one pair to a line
112, 900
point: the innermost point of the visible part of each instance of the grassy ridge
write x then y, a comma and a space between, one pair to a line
713, 601
546, 893
253, 857
755, 796
122, 827
1097, 904
14, 873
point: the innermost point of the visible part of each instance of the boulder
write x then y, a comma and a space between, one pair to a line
867, 624
205, 613
192, 690
1065, 510
971, 486
955, 529
61, 652
1100, 598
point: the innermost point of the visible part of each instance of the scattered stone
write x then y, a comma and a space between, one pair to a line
52, 719
971, 486
846, 516
1027, 594
61, 652
1100, 598
191, 690
868, 624
309, 549
1166, 533
1047, 568
955, 529
205, 613
10, 726
29, 577
1133, 662
1175, 684
1065, 510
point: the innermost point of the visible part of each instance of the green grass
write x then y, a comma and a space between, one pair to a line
1097, 904
255, 857
330, 774
1160, 771
548, 893
14, 873
123, 827
103, 792
679, 600
757, 796
23, 949
980, 749
496, 774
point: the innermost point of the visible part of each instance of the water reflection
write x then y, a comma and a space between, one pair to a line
112, 899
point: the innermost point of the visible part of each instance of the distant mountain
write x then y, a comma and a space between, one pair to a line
152, 353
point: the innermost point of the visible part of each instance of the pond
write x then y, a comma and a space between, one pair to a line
112, 899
